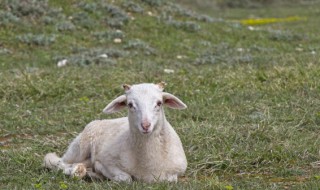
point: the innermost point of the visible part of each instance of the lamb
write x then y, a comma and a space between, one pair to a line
142, 147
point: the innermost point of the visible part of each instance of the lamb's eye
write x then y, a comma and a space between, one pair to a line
159, 103
130, 105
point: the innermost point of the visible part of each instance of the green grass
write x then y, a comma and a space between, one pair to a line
253, 98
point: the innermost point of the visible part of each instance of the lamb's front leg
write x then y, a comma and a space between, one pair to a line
112, 172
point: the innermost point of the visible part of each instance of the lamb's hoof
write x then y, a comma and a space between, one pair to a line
94, 176
79, 171
123, 178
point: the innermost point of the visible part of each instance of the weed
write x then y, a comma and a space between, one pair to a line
94, 56
7, 18
37, 39
4, 51
137, 44
278, 35
83, 20
65, 26
154, 3
188, 26
109, 35
223, 53
179, 11
116, 16
31, 8
133, 7
88, 7
243, 3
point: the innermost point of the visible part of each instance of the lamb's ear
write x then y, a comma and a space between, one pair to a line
126, 87
116, 105
161, 85
172, 102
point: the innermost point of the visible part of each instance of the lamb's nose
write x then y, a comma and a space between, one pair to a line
145, 125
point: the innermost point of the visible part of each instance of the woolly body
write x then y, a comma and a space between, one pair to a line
142, 146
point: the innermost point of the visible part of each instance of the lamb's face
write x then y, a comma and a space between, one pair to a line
145, 103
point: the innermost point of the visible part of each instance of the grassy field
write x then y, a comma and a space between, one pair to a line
253, 92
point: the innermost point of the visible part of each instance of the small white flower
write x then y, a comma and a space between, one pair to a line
181, 56
168, 71
251, 28
62, 63
117, 40
299, 49
313, 52
149, 13
103, 55
28, 112
240, 49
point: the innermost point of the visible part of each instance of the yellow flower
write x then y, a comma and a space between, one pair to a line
258, 21
84, 99
229, 187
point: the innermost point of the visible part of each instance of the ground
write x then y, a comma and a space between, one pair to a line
252, 90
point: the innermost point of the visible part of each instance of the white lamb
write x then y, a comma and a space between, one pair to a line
142, 146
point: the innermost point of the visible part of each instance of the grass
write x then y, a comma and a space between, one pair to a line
253, 99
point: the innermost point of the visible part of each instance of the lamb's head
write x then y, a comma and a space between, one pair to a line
145, 105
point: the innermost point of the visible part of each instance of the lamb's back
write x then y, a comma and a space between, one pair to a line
101, 133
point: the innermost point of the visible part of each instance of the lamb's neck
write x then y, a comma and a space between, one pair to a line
152, 145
